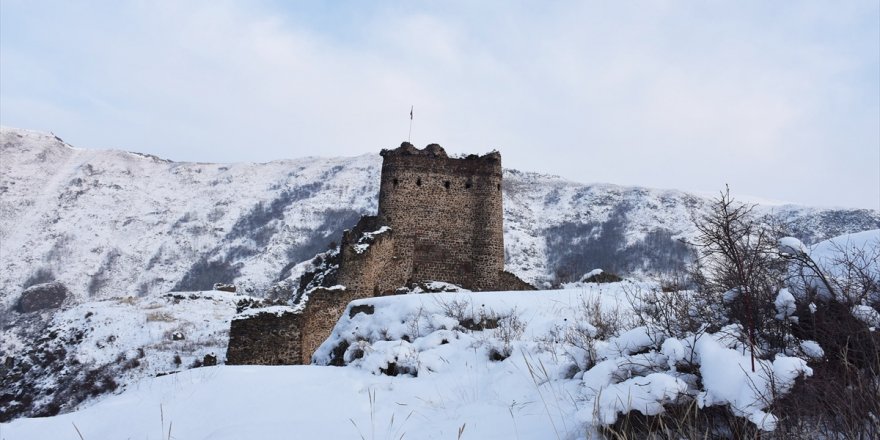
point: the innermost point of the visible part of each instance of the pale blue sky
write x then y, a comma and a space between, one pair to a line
779, 99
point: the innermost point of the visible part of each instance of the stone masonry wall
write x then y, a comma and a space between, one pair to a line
324, 308
446, 212
372, 272
265, 339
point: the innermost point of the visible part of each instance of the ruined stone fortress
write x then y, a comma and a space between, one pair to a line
439, 219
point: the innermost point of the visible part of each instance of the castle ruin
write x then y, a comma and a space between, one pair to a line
439, 219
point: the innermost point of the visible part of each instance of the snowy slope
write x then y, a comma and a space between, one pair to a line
112, 223
305, 402
55, 360
557, 230
485, 359
524, 378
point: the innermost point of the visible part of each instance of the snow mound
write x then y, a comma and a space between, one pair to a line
729, 379
867, 315
791, 246
555, 336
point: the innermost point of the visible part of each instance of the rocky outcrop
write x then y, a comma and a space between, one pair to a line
42, 296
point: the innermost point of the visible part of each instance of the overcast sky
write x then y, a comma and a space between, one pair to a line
779, 99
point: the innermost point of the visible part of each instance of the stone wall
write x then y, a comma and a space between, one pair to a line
324, 308
371, 272
374, 270
266, 338
509, 281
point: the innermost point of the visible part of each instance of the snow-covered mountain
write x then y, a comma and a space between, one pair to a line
114, 223
110, 223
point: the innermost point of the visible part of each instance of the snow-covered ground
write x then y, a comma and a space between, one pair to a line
304, 402
857, 245
58, 358
489, 365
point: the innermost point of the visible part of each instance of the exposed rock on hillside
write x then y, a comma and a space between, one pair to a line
42, 296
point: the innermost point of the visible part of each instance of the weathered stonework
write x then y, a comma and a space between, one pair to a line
267, 338
439, 219
446, 215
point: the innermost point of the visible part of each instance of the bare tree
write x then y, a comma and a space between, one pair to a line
738, 258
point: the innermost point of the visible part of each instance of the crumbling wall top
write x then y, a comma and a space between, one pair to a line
435, 151
407, 149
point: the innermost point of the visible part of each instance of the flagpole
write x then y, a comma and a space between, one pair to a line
409, 137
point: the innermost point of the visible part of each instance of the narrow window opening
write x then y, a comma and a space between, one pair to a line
499, 187
446, 184
395, 182
419, 181
468, 184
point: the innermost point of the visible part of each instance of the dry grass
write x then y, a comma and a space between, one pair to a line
160, 316
685, 421
128, 300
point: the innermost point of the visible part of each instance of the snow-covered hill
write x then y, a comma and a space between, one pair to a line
56, 359
113, 223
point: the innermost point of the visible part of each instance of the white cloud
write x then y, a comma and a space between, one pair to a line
659, 94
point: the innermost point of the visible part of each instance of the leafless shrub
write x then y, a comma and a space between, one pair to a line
414, 324
507, 327
593, 323
737, 254
510, 328
457, 308
857, 271
676, 313
850, 371
839, 401
738, 259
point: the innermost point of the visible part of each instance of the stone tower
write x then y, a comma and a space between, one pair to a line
445, 213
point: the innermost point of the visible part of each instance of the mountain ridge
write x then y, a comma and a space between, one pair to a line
114, 223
